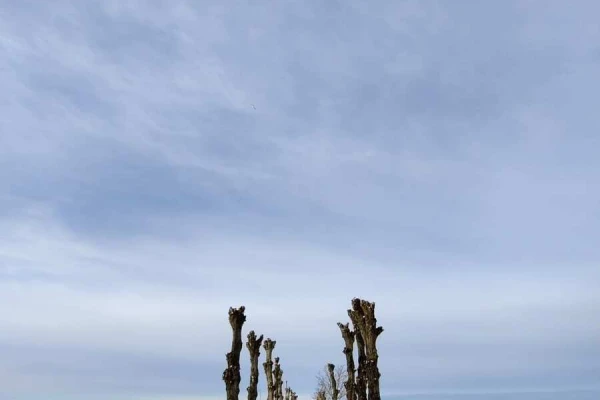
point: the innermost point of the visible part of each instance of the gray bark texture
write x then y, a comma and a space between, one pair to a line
278, 372
360, 386
253, 344
335, 392
363, 318
269, 345
231, 375
348, 336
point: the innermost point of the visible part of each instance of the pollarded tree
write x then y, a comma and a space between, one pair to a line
273, 371
349, 338
253, 344
363, 318
269, 346
231, 375
278, 374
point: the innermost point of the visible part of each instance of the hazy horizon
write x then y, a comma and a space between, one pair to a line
164, 160
589, 394
525, 395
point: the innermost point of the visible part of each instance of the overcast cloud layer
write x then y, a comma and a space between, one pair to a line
161, 161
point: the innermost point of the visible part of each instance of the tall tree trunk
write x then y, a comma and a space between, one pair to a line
348, 336
361, 376
231, 375
269, 345
278, 372
253, 344
363, 318
335, 393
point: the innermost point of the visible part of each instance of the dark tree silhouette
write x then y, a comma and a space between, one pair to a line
253, 344
231, 375
363, 318
269, 345
348, 336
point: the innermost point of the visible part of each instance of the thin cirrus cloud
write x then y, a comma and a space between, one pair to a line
162, 162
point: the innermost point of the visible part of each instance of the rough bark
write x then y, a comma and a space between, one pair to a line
231, 375
335, 395
253, 344
269, 345
364, 321
348, 336
278, 372
360, 388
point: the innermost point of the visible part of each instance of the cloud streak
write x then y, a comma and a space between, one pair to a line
162, 162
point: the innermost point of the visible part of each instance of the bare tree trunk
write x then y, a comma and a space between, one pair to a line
335, 393
269, 345
348, 336
290, 394
361, 377
231, 375
253, 344
278, 380
363, 318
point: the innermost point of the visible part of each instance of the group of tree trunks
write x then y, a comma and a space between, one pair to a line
273, 371
358, 384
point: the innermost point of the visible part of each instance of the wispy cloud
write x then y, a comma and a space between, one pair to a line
162, 162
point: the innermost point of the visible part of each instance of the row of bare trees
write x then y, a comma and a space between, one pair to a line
361, 383
335, 383
273, 372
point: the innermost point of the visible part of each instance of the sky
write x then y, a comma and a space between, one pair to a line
161, 161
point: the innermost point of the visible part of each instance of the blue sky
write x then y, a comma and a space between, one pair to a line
161, 161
